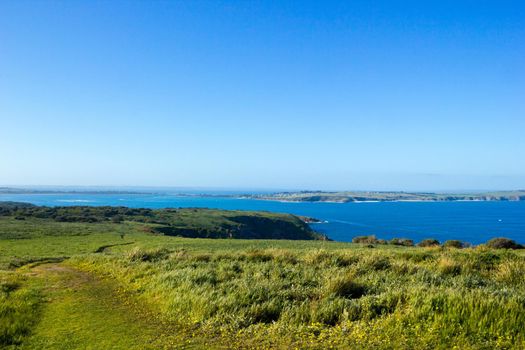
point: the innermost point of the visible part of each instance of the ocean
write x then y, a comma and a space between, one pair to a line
473, 222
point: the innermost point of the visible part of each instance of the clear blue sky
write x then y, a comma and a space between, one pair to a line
402, 95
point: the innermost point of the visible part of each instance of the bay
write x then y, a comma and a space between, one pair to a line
473, 222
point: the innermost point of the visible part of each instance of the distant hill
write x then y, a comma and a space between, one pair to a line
186, 222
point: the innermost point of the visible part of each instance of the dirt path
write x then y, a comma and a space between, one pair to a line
84, 312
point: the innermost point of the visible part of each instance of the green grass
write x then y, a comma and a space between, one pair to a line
357, 297
183, 222
19, 308
85, 312
153, 291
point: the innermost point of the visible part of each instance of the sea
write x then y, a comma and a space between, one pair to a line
470, 221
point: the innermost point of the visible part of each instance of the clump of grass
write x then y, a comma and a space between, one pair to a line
179, 254
344, 286
448, 266
480, 261
511, 272
265, 312
149, 255
417, 256
375, 262
319, 256
202, 257
257, 255
284, 256
323, 257
327, 311
19, 309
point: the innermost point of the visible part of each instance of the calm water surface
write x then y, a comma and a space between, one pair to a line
474, 222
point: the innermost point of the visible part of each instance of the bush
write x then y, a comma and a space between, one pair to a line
503, 243
117, 219
429, 243
453, 243
402, 241
365, 239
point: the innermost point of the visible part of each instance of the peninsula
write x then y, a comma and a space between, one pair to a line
365, 196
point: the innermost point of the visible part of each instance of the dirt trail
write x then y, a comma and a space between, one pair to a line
84, 312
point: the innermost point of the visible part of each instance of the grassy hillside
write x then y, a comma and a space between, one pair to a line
184, 222
78, 285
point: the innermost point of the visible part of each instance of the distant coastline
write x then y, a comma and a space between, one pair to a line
15, 190
306, 196
363, 197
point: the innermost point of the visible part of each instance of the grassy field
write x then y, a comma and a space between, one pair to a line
71, 285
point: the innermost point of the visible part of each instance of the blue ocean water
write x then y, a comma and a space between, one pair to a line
474, 222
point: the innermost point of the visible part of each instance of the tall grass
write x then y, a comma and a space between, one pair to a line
19, 307
371, 298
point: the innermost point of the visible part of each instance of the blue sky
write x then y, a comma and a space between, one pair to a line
400, 95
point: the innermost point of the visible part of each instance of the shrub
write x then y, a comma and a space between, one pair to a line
503, 243
117, 219
453, 243
365, 239
429, 243
402, 241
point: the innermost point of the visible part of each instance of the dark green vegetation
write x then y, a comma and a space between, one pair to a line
348, 196
113, 284
504, 243
187, 222
494, 243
